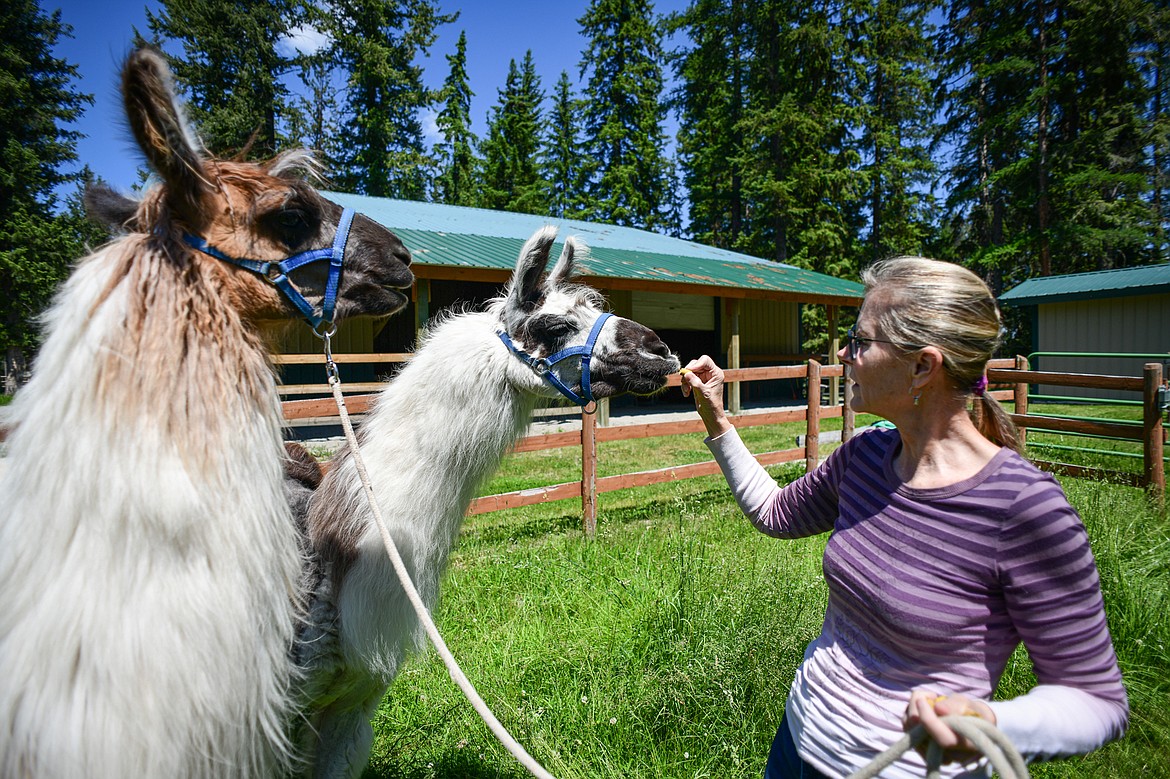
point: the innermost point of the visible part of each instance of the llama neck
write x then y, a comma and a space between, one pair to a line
452, 413
147, 543
156, 379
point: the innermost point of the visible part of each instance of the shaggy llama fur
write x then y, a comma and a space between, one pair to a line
437, 432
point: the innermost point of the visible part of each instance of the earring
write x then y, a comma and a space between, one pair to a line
917, 395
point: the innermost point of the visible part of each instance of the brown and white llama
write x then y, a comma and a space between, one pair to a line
436, 433
148, 558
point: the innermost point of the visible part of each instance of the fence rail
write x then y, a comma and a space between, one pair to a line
1009, 378
1150, 432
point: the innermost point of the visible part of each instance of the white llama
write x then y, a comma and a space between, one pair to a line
148, 559
435, 434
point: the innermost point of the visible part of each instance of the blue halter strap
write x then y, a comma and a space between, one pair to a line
543, 366
277, 272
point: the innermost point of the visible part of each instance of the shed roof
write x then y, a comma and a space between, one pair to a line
474, 244
1144, 280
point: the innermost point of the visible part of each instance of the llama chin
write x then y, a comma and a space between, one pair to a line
437, 432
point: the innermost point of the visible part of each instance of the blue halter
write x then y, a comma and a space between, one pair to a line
277, 272
543, 366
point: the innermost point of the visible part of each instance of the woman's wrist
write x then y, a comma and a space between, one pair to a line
717, 424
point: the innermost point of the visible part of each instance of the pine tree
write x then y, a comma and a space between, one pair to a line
630, 181
231, 69
377, 43
1051, 173
799, 168
712, 74
39, 239
456, 183
895, 101
37, 243
986, 92
1101, 218
511, 161
314, 121
562, 165
1155, 59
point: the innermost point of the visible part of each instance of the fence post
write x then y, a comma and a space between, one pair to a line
813, 433
1155, 474
848, 417
589, 473
1020, 396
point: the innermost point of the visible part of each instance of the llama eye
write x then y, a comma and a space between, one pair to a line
291, 226
291, 219
551, 328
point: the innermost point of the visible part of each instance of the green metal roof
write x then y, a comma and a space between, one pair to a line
1144, 280
452, 237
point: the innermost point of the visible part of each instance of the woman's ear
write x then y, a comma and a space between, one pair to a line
927, 364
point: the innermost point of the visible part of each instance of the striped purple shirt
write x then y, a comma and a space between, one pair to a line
935, 588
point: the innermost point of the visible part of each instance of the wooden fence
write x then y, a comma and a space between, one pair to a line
590, 434
1150, 431
1009, 378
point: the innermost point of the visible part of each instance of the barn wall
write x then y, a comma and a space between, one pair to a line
1133, 325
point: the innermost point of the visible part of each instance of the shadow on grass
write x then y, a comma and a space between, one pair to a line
447, 766
513, 530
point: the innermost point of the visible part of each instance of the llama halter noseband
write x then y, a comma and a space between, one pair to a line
543, 366
277, 272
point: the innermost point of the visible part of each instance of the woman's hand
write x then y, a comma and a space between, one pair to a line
928, 707
703, 379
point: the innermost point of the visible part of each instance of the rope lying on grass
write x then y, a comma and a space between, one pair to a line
987, 738
517, 751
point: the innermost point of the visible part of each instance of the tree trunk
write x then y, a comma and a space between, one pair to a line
15, 367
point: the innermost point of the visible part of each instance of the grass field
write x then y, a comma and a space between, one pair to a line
665, 647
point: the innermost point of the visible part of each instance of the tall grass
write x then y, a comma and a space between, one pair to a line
665, 647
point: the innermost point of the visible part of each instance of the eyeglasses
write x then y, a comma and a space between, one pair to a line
854, 343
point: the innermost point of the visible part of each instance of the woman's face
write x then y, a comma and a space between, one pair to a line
881, 371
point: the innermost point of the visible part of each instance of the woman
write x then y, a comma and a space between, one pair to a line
947, 550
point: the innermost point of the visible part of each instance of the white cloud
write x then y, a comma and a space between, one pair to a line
302, 40
430, 126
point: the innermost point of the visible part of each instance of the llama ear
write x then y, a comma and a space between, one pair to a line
524, 290
563, 270
161, 130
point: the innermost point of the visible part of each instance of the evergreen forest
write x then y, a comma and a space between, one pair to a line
1017, 138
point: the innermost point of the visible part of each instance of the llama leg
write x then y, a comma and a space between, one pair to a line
345, 734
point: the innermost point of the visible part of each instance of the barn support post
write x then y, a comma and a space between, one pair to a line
422, 306
589, 473
834, 347
1152, 447
812, 438
734, 406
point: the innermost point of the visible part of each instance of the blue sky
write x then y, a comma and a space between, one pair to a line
497, 32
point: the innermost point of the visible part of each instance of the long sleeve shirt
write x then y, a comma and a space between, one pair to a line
935, 588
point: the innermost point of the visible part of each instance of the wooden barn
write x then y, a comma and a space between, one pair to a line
1110, 322
742, 310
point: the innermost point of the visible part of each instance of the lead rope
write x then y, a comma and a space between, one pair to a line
990, 740
456, 673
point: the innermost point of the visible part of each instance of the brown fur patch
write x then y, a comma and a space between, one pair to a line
333, 535
302, 466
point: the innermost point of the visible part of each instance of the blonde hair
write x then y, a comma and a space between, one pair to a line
948, 307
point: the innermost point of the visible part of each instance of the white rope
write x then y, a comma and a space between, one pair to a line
457, 675
987, 738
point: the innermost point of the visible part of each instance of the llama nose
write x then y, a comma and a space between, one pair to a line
402, 254
653, 344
